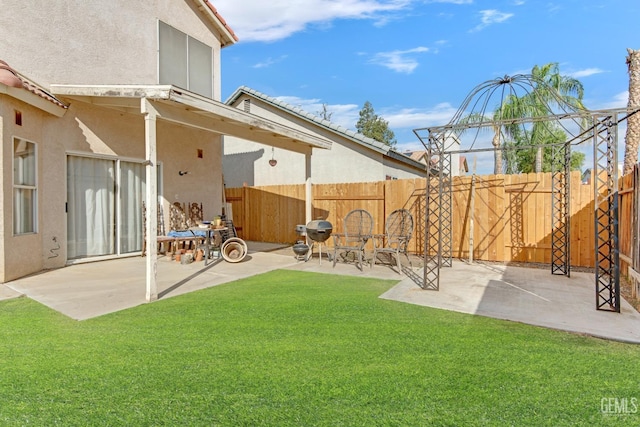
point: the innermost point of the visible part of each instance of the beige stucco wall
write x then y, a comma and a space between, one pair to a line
247, 162
96, 42
94, 131
22, 254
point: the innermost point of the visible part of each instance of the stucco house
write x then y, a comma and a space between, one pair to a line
104, 105
353, 157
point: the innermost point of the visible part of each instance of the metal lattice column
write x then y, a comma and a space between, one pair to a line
432, 236
446, 211
431, 279
561, 221
605, 179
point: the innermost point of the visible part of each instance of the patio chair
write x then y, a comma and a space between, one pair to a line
358, 226
180, 223
398, 231
164, 242
196, 216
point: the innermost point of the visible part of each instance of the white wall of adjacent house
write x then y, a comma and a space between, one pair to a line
247, 162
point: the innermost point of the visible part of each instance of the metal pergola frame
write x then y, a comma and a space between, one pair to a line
603, 132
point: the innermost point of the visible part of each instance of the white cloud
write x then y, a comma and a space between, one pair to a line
345, 115
269, 62
585, 73
452, 1
401, 61
259, 20
412, 118
489, 17
619, 100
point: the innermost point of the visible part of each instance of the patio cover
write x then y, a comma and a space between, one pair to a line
173, 104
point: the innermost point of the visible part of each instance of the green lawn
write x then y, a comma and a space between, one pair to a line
290, 348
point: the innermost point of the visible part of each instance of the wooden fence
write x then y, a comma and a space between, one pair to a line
511, 217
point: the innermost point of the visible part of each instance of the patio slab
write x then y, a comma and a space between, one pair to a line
8, 293
87, 290
525, 295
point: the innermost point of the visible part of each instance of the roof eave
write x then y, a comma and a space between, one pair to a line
393, 154
227, 35
33, 100
223, 119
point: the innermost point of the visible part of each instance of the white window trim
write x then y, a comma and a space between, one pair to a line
15, 186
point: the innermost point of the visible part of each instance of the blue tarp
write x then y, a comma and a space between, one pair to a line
187, 233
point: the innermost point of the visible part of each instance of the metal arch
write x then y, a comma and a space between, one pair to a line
438, 202
604, 133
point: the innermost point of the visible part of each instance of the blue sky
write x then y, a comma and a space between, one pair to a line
416, 60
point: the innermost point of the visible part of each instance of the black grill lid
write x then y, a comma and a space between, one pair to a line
319, 230
320, 225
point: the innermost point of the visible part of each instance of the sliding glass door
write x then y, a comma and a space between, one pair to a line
104, 207
132, 194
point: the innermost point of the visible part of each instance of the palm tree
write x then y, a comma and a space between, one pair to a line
550, 92
633, 122
546, 91
480, 120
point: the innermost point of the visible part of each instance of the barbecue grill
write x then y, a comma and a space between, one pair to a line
317, 232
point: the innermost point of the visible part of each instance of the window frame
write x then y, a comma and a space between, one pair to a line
18, 187
186, 64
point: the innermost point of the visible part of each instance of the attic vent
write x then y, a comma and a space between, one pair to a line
247, 105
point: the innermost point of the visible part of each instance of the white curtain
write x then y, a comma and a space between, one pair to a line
23, 209
132, 193
91, 207
24, 182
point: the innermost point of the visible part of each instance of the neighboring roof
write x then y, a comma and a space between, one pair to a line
228, 36
190, 109
15, 84
326, 124
418, 156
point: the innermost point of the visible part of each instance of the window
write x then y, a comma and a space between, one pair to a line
184, 61
24, 187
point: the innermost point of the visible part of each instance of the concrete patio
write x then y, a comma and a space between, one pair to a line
526, 295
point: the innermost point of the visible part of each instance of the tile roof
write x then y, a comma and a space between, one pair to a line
221, 19
417, 155
351, 134
12, 78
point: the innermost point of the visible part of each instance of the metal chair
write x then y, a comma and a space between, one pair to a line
358, 226
398, 232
